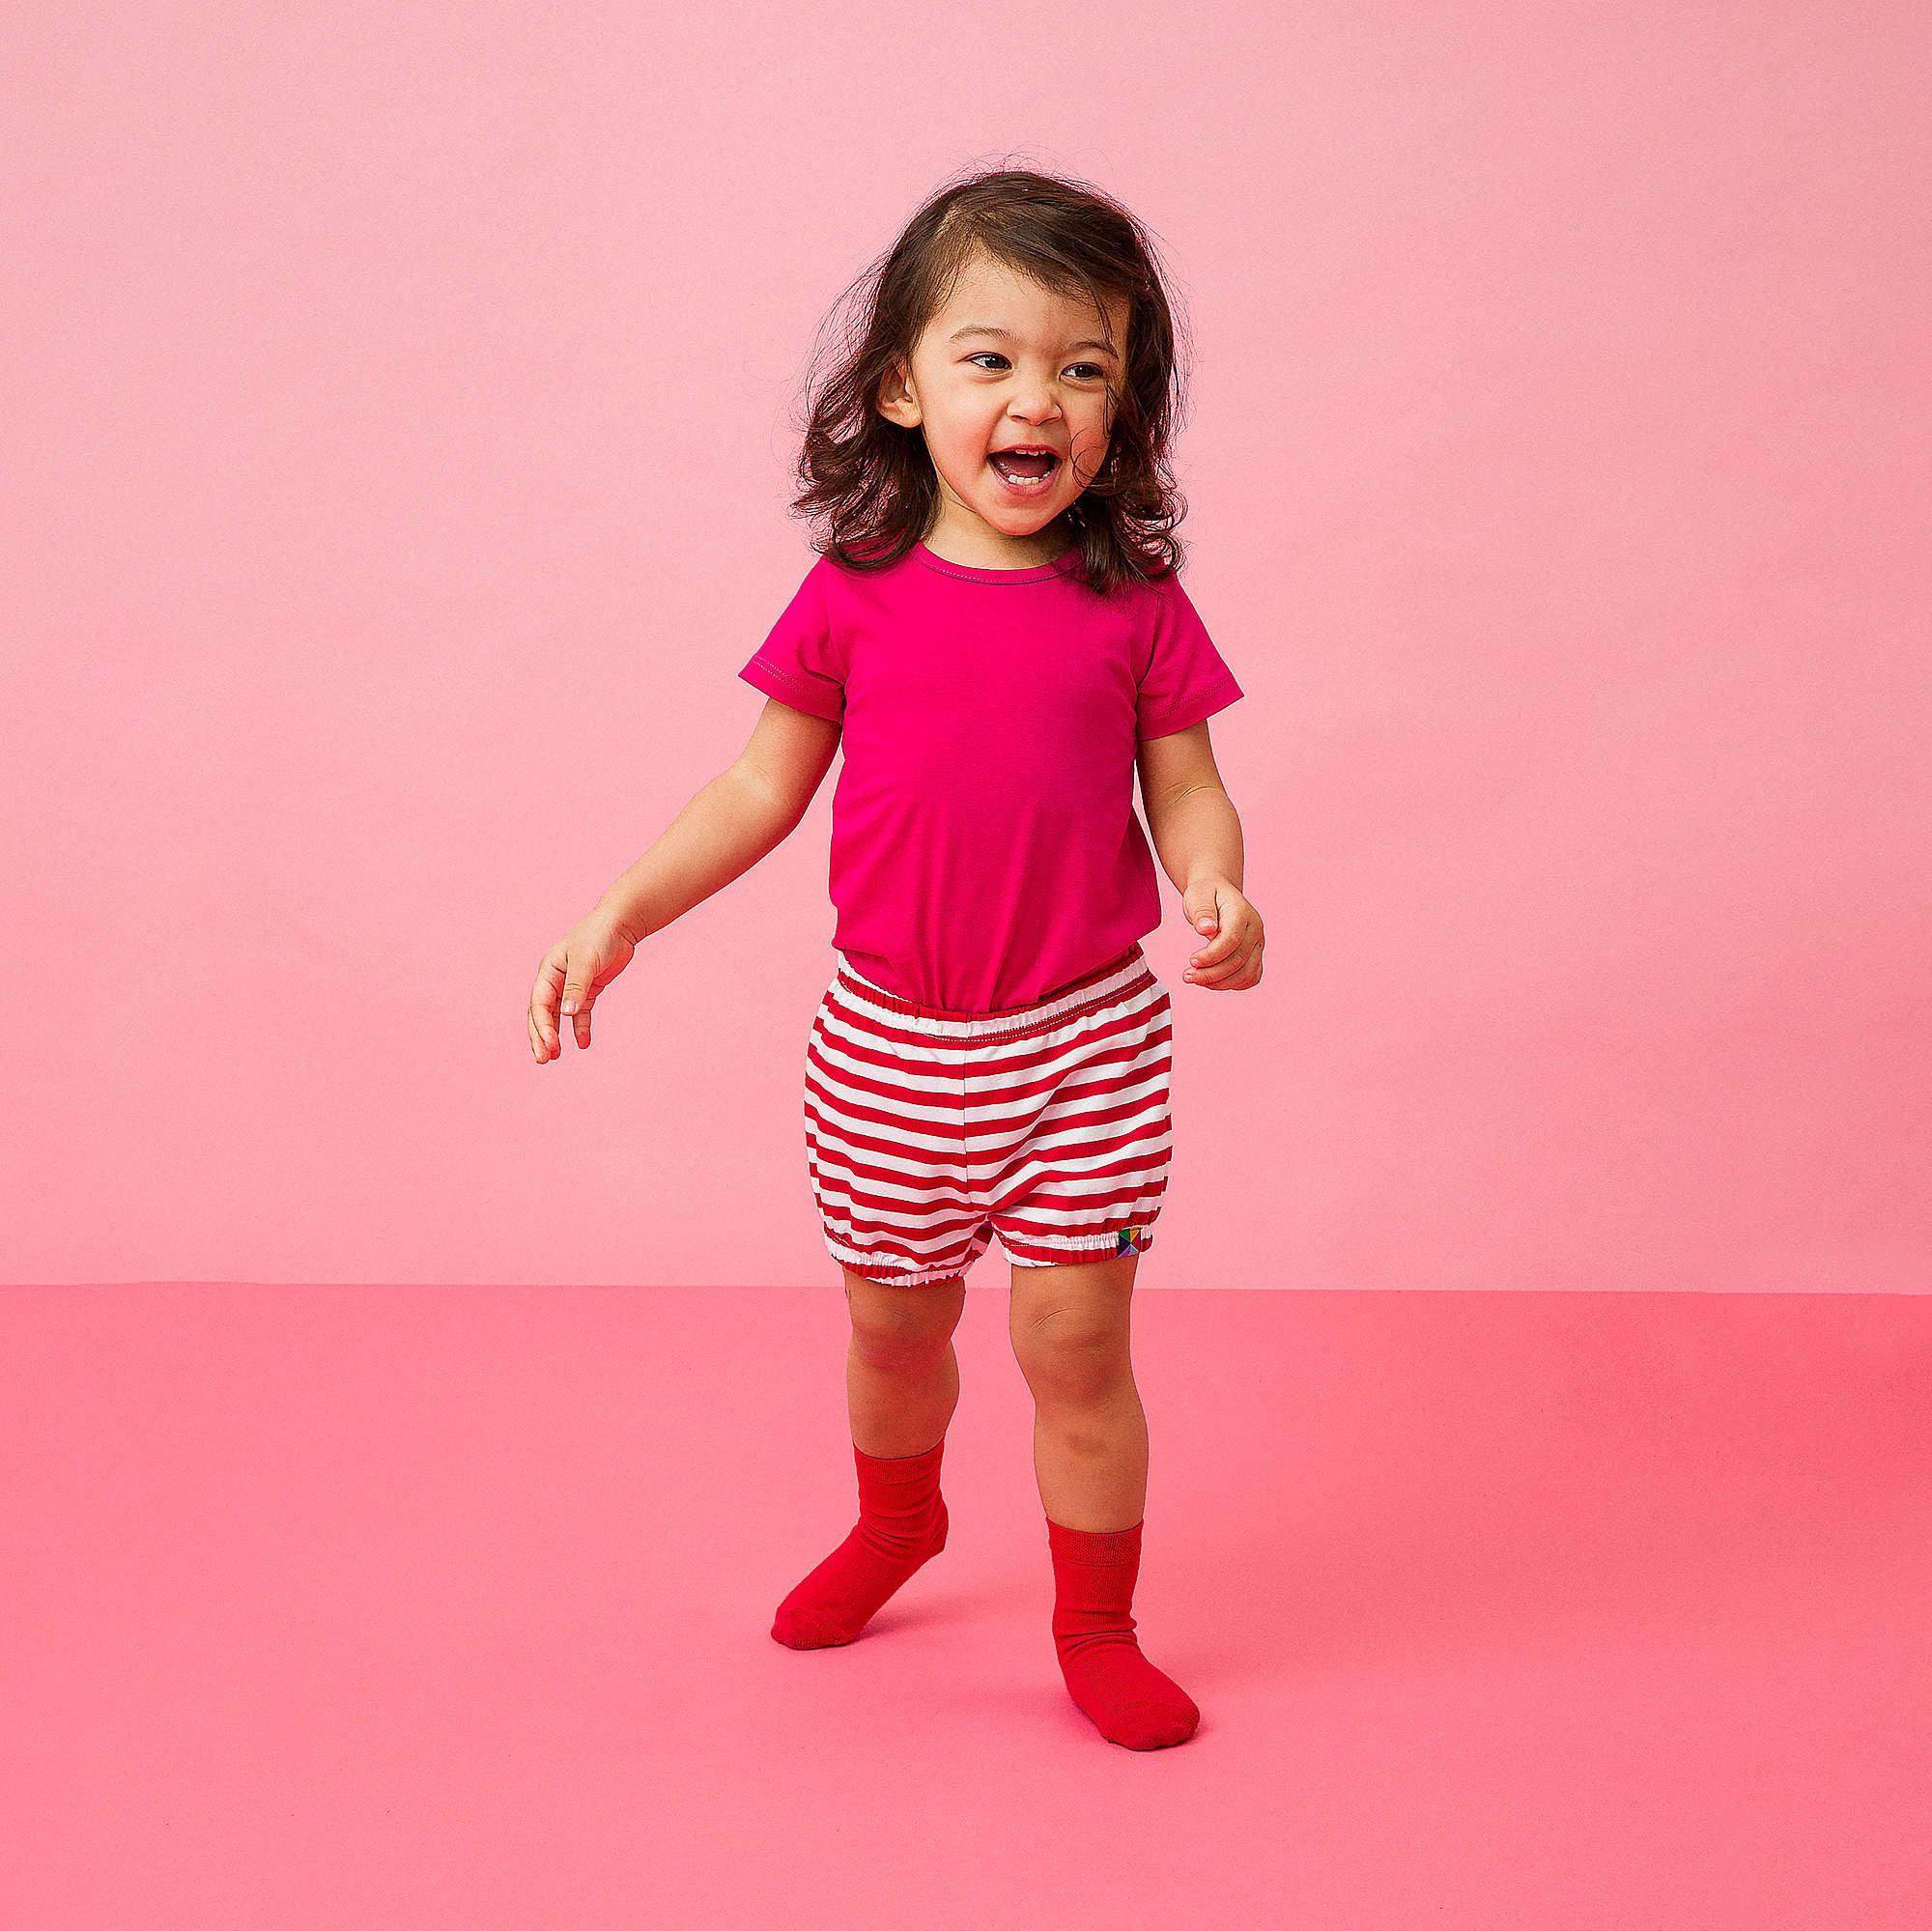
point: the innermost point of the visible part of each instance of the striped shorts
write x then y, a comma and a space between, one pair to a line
927, 1132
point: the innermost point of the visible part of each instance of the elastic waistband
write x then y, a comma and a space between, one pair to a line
1127, 973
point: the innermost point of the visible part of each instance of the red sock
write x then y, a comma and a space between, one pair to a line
1128, 1700
901, 1524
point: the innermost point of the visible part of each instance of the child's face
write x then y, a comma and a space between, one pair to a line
1043, 382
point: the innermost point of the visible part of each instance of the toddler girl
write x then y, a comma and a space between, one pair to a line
994, 634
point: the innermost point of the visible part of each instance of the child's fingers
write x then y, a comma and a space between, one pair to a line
577, 1000
1231, 922
1216, 949
574, 972
1227, 938
1214, 976
543, 1002
1215, 972
542, 1035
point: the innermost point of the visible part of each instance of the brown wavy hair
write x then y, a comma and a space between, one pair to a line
868, 484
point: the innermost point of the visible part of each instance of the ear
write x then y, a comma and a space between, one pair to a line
896, 400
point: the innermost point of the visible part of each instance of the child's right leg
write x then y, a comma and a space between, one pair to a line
901, 1386
902, 1375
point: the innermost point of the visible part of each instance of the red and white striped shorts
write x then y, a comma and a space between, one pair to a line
927, 1131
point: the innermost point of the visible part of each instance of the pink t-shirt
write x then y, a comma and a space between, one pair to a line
985, 849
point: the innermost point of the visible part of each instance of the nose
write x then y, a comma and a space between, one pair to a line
1033, 402
1034, 406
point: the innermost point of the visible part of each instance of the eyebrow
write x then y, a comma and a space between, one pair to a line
1006, 335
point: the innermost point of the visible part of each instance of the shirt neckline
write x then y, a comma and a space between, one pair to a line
972, 573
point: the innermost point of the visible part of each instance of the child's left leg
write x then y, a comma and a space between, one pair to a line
1070, 1334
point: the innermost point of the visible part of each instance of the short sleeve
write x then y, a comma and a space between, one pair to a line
801, 663
1184, 677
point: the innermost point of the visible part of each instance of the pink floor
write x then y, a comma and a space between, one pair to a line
420, 1608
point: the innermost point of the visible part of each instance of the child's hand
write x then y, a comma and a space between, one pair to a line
1231, 960
576, 969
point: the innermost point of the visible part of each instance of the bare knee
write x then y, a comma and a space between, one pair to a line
902, 1327
1074, 1357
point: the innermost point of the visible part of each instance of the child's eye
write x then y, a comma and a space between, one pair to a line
1098, 373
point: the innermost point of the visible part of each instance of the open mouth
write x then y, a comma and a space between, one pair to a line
1026, 471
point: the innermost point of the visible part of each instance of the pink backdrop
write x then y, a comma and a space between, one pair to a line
396, 418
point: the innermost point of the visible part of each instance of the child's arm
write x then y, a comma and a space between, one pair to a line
730, 823
1198, 834
1190, 817
727, 826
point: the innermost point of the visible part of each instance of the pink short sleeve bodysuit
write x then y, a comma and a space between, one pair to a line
985, 850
